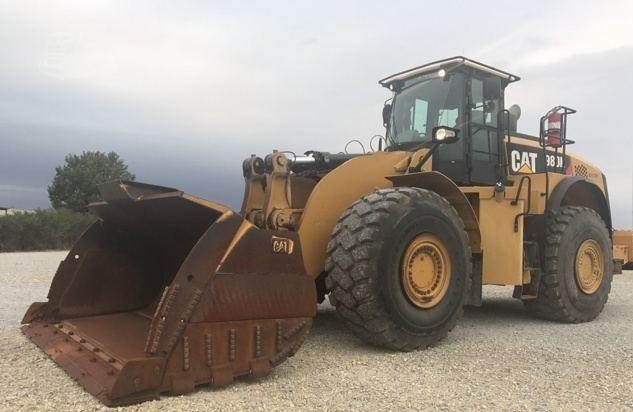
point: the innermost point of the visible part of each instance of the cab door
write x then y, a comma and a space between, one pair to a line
451, 159
484, 103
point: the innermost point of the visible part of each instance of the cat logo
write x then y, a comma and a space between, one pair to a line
282, 245
523, 162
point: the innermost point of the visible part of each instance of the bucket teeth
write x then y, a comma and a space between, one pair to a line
232, 344
158, 324
280, 332
292, 340
258, 341
185, 353
252, 350
249, 349
208, 344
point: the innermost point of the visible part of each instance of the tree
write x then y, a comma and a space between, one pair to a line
75, 183
50, 229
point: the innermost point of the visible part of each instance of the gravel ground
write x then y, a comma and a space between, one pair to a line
497, 358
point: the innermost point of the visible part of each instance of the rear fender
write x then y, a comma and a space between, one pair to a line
577, 191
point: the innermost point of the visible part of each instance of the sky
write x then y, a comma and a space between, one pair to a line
184, 91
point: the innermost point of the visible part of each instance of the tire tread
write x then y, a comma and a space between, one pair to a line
351, 257
550, 303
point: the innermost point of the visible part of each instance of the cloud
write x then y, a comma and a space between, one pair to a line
183, 92
560, 31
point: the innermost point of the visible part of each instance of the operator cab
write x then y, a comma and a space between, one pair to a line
457, 93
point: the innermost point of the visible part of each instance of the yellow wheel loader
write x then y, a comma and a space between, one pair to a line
168, 291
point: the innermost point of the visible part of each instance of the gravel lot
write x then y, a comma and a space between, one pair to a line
497, 358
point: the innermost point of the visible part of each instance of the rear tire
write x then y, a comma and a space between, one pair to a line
578, 267
383, 288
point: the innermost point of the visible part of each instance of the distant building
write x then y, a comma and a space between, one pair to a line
9, 211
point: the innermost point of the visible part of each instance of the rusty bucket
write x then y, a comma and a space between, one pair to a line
167, 291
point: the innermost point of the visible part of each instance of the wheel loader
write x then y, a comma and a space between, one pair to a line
168, 291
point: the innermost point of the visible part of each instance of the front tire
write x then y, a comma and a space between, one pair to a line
578, 267
399, 266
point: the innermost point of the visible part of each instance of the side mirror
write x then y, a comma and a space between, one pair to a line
386, 114
441, 135
445, 135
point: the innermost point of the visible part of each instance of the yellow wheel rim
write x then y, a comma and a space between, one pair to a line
589, 266
425, 271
